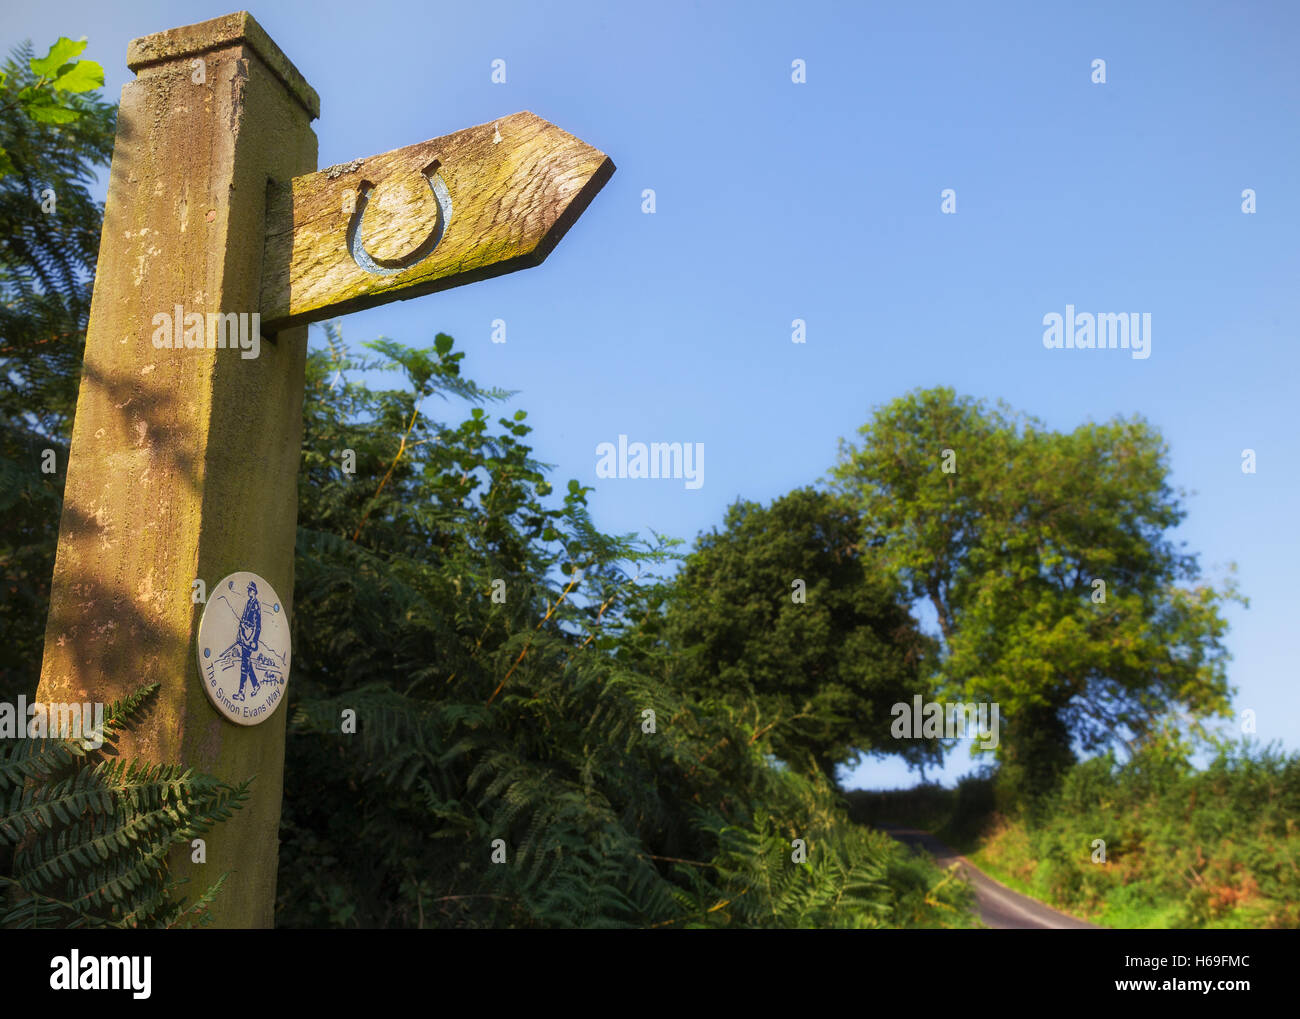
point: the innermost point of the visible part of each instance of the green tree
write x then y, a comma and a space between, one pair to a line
47, 90
786, 606
53, 138
1046, 559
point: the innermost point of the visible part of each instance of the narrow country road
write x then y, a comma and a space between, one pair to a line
997, 905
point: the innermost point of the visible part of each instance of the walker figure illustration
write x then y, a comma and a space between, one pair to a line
250, 629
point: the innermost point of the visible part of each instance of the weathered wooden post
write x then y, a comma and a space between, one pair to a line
185, 446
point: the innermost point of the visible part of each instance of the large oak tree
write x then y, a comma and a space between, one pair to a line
1047, 560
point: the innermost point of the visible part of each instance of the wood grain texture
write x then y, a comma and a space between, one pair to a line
515, 186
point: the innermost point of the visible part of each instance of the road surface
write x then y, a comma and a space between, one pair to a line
997, 905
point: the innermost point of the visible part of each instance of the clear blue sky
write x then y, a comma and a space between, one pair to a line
821, 201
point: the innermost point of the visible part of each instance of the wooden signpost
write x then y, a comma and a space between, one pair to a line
185, 451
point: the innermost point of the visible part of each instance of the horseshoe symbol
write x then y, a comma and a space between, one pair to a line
392, 266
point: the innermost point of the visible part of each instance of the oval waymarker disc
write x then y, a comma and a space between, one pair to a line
243, 648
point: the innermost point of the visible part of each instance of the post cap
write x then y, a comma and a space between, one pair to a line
190, 40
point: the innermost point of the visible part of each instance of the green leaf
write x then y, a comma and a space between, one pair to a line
84, 76
43, 114
60, 53
442, 343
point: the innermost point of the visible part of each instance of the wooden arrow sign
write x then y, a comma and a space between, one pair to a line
477, 203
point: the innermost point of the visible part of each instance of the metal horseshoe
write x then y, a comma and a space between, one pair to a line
387, 266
